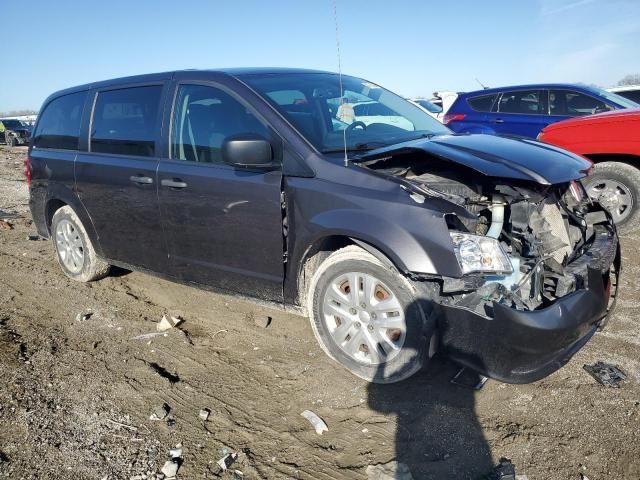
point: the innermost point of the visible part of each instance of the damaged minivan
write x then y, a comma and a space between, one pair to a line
332, 196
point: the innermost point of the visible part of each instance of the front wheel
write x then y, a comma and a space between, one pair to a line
367, 317
616, 186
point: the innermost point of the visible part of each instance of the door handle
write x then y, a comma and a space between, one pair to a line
498, 120
173, 183
141, 180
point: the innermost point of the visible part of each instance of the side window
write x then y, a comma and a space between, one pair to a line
59, 124
126, 122
483, 103
569, 102
203, 118
521, 101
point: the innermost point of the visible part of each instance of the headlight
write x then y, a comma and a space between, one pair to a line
480, 254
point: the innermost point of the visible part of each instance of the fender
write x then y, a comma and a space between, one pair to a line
61, 192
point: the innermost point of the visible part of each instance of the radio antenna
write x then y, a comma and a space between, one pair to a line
344, 131
484, 87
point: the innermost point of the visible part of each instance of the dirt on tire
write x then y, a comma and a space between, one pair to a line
80, 378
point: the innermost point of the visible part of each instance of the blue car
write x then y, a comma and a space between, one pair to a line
525, 110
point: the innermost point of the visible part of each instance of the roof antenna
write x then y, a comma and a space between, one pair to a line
344, 131
484, 87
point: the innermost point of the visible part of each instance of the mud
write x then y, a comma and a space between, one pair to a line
76, 395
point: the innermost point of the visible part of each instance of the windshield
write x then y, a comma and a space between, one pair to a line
363, 113
12, 123
614, 97
427, 105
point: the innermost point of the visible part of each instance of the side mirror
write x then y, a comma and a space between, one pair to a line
247, 151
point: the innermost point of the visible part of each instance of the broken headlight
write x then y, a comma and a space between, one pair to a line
476, 253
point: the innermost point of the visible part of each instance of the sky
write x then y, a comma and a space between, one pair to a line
412, 47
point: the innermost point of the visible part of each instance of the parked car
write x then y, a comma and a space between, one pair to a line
444, 99
632, 92
483, 247
14, 132
612, 141
525, 110
430, 108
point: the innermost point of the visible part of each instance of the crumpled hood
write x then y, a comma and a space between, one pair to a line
494, 156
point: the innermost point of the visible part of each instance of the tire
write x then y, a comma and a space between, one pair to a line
350, 331
616, 186
74, 250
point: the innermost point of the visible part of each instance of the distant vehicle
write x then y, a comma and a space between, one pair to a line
632, 92
377, 112
444, 99
14, 132
612, 141
525, 110
431, 108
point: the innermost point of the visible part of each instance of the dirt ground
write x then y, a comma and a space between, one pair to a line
76, 394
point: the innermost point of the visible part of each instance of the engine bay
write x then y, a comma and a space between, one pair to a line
545, 231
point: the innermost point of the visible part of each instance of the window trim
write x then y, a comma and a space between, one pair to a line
32, 143
540, 100
275, 136
158, 134
495, 95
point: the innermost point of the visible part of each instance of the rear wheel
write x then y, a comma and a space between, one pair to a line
616, 186
367, 317
74, 249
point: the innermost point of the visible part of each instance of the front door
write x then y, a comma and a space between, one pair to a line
116, 179
223, 224
519, 112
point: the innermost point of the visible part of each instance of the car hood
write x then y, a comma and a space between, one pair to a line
494, 156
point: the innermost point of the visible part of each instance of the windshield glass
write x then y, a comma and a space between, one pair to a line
367, 115
614, 97
431, 107
12, 123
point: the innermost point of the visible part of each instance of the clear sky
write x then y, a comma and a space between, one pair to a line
410, 46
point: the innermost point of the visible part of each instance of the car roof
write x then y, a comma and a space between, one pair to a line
624, 88
532, 86
155, 77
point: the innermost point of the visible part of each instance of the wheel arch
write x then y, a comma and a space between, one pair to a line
628, 158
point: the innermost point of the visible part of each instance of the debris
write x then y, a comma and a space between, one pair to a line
606, 374
161, 412
81, 317
238, 475
468, 378
33, 237
262, 321
316, 421
204, 414
175, 452
168, 323
226, 461
505, 470
146, 336
170, 468
4, 225
123, 425
389, 471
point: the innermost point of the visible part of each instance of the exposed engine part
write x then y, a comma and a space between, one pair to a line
497, 216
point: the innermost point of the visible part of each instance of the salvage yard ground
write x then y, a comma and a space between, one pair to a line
76, 392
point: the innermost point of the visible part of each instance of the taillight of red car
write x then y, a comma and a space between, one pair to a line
27, 170
452, 117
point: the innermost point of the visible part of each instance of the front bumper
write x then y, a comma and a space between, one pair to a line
516, 346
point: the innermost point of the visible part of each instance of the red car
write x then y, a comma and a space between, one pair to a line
611, 141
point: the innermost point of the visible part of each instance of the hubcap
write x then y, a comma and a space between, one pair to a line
364, 318
614, 196
69, 246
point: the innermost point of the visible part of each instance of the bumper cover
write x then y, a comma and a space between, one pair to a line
524, 346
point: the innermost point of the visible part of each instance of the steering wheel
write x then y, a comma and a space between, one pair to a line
354, 125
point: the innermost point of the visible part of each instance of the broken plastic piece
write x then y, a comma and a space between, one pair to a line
606, 374
468, 378
226, 461
204, 414
81, 317
504, 471
168, 323
316, 421
161, 412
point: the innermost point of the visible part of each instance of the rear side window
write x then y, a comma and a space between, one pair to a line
521, 101
633, 95
126, 122
59, 124
482, 103
568, 102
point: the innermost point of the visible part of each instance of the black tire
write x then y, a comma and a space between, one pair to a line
90, 268
626, 175
420, 324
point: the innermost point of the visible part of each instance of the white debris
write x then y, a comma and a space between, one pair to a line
316, 421
204, 414
226, 461
175, 452
170, 469
161, 412
168, 323
389, 471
